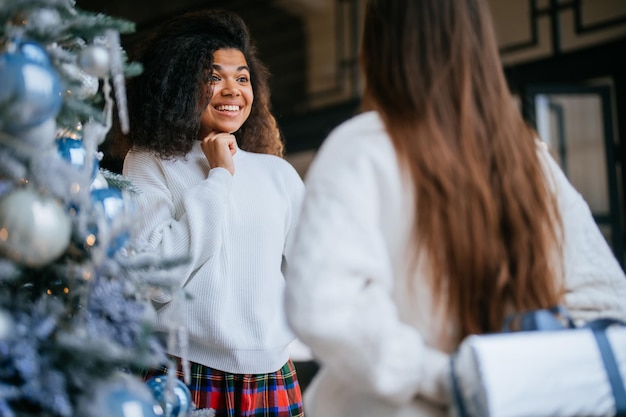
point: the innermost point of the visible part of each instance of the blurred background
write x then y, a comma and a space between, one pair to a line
565, 61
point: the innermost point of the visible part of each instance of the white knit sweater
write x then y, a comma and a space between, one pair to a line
235, 230
383, 350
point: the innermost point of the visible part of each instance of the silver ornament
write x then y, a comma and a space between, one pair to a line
95, 60
89, 85
44, 21
34, 229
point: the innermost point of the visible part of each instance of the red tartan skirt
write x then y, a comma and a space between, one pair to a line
243, 395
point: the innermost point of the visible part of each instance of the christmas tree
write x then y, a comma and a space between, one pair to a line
75, 316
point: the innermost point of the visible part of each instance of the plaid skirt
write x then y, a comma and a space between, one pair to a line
243, 395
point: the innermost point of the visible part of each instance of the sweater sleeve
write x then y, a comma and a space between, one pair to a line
196, 234
595, 282
340, 282
295, 191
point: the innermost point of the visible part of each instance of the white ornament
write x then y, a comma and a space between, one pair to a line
44, 20
34, 229
95, 60
119, 82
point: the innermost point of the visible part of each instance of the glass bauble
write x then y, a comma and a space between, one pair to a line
30, 91
176, 405
35, 229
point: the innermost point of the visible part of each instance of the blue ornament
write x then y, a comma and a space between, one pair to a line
34, 53
180, 402
112, 204
73, 151
120, 395
111, 200
30, 90
121, 402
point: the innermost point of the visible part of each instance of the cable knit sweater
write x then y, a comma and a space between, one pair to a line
235, 230
382, 349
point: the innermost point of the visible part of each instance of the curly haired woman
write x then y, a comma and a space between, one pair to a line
205, 154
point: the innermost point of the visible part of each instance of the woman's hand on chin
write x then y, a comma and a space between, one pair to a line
219, 148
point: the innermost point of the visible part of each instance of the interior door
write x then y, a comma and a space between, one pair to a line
577, 123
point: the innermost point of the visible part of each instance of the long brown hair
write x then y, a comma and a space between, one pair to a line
484, 212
